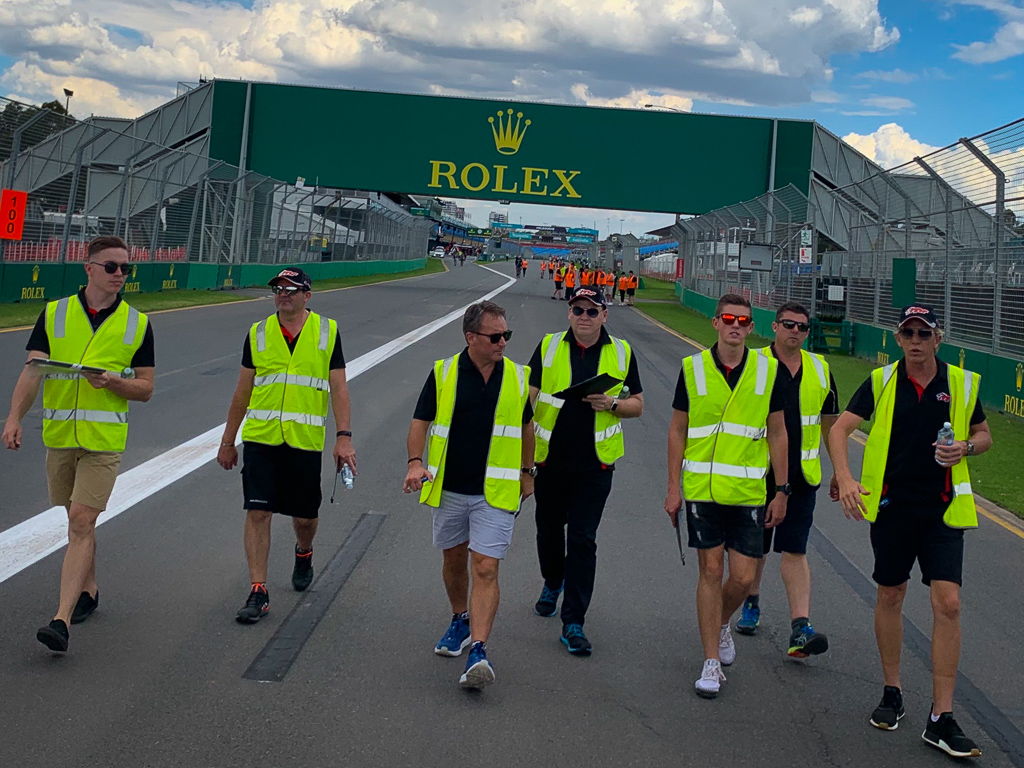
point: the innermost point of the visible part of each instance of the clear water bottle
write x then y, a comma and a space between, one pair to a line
347, 478
945, 437
624, 393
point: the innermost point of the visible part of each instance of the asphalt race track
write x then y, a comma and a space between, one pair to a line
344, 674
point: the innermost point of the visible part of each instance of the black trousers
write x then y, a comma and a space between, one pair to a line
569, 509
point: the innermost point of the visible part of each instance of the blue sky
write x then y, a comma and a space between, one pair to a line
893, 77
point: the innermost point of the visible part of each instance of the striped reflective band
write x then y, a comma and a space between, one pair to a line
810, 455
506, 431
133, 325
439, 430
62, 376
554, 402
549, 357
819, 368
543, 434
699, 376
620, 351
432, 471
325, 328
261, 336
728, 428
604, 434
290, 378
887, 373
810, 421
446, 367
497, 473
968, 384
60, 318
962, 489
80, 414
725, 470
301, 418
762, 374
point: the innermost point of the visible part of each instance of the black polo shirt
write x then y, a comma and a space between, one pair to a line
144, 356
681, 399
469, 437
572, 441
912, 477
791, 410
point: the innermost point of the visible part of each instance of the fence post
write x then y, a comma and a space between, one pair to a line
947, 283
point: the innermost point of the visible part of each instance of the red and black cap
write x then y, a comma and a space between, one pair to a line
920, 312
595, 297
293, 275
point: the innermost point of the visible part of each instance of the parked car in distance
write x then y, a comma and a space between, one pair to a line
437, 253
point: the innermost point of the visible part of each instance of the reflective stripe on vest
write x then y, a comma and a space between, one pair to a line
291, 389
75, 414
556, 375
726, 455
502, 474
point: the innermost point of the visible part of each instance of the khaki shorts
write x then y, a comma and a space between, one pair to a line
80, 476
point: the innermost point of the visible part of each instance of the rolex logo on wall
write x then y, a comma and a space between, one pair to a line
508, 136
1020, 376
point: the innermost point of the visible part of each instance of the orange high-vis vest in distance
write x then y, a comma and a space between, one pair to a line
623, 283
585, 277
634, 282
570, 278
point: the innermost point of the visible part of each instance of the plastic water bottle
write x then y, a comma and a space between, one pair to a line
347, 478
945, 437
623, 393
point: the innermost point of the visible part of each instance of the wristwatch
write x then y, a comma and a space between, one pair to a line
615, 406
785, 490
970, 448
531, 471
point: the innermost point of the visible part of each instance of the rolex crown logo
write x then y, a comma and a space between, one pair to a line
508, 135
135, 270
35, 279
171, 272
1020, 376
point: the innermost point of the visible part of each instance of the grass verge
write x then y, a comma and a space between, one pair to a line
25, 313
656, 290
995, 475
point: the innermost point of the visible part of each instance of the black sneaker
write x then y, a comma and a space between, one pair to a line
804, 641
54, 636
84, 607
947, 736
575, 641
889, 712
547, 603
302, 573
256, 607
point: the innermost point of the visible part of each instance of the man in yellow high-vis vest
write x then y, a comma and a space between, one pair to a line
85, 418
578, 442
473, 475
916, 493
727, 426
293, 370
811, 408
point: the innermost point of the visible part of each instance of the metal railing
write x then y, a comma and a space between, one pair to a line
171, 202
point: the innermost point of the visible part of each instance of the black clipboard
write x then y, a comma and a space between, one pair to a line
56, 366
593, 386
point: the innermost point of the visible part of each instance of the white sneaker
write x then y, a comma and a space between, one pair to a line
726, 647
710, 680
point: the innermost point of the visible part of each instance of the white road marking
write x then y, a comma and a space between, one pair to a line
32, 540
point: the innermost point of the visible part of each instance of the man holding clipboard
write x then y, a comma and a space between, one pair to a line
85, 412
578, 382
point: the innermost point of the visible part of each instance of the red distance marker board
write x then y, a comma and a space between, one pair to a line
12, 213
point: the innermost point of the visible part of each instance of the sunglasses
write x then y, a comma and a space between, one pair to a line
110, 267
591, 311
789, 325
287, 290
729, 319
494, 338
921, 333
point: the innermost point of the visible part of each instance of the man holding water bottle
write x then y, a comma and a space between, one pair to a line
915, 491
292, 368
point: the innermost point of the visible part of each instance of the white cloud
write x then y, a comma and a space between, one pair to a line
888, 146
893, 103
738, 51
891, 76
825, 97
1008, 40
634, 100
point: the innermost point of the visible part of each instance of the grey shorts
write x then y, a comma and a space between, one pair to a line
462, 518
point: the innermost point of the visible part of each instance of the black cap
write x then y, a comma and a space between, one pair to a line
920, 312
585, 293
295, 276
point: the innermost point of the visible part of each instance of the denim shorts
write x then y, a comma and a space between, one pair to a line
462, 518
711, 525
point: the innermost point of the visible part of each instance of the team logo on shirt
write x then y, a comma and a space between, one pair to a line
942, 397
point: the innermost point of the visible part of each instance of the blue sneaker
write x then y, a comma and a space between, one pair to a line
455, 639
547, 603
750, 617
804, 641
575, 641
479, 672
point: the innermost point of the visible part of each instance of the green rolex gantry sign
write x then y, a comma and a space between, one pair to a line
532, 153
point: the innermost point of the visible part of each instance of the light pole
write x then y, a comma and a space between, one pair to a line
662, 106
68, 93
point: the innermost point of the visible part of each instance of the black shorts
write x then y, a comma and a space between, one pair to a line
279, 478
710, 525
900, 535
631, 291
791, 534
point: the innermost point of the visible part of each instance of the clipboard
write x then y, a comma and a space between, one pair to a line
595, 385
45, 365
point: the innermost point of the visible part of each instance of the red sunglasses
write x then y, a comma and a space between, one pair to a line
730, 319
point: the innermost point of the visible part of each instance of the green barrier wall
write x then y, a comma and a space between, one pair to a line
1002, 385
28, 282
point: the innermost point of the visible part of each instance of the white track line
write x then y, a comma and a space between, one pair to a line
32, 540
